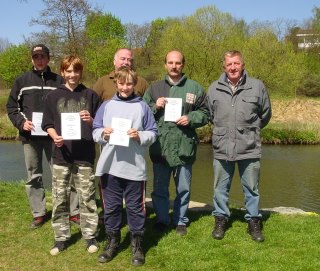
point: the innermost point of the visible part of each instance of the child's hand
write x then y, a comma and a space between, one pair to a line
133, 133
85, 116
58, 141
106, 133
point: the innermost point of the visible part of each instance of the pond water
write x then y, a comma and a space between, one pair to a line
290, 175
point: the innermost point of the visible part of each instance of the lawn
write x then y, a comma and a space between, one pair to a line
292, 243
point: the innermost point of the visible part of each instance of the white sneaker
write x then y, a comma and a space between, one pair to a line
58, 247
92, 245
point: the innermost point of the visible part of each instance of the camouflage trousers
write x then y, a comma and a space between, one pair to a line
84, 181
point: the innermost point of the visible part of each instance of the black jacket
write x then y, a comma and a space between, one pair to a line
27, 95
62, 100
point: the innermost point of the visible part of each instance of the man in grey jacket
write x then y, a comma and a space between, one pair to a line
239, 108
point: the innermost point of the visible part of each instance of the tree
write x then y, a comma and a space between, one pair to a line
158, 26
275, 63
137, 35
104, 34
203, 38
14, 61
315, 20
65, 21
4, 44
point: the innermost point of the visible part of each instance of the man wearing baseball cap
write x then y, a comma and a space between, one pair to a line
25, 107
40, 49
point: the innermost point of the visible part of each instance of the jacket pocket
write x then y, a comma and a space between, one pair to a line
248, 112
248, 139
187, 146
219, 139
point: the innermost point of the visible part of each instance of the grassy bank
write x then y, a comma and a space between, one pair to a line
292, 243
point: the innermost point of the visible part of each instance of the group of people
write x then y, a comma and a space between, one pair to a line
127, 117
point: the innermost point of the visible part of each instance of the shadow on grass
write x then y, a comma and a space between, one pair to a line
152, 236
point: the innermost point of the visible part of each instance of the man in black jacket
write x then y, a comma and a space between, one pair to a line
25, 107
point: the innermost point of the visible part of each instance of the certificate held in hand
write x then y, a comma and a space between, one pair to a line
120, 128
173, 108
70, 126
37, 120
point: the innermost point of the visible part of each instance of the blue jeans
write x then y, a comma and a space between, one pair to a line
249, 171
160, 196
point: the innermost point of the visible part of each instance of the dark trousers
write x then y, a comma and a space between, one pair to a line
114, 189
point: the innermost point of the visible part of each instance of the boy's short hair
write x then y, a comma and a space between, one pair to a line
71, 60
125, 74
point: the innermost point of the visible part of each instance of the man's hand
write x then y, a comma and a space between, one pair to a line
183, 121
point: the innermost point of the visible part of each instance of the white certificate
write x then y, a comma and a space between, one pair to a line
36, 121
70, 126
119, 135
173, 108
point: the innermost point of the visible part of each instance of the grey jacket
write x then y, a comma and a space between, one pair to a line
238, 118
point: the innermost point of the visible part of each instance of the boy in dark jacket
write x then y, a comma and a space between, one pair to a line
73, 153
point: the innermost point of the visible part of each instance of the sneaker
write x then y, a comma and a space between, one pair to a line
255, 230
58, 247
92, 245
181, 230
37, 222
219, 227
160, 227
75, 219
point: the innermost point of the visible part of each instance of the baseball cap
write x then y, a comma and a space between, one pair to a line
40, 49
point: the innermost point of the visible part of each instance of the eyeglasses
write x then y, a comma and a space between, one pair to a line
38, 56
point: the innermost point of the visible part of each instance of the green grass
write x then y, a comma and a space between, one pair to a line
291, 133
292, 243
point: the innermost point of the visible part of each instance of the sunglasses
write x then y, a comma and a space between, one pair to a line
38, 56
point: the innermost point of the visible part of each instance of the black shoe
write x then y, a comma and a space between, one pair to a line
92, 245
219, 227
160, 227
37, 222
58, 247
111, 248
136, 247
255, 230
181, 230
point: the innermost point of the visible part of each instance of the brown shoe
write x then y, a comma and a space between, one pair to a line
255, 229
181, 230
37, 222
219, 227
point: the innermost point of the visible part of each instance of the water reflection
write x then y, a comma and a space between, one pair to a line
289, 175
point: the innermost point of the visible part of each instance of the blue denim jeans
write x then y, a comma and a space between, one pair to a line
160, 196
249, 171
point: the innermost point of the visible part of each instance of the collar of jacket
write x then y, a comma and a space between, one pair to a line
181, 81
46, 71
243, 80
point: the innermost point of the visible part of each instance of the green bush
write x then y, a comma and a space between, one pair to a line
310, 87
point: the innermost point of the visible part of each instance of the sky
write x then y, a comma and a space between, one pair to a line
15, 15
